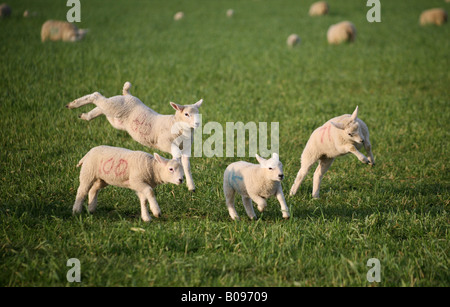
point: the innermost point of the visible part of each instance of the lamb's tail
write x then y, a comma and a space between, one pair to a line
126, 88
81, 161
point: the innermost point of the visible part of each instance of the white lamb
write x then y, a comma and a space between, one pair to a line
61, 30
341, 32
435, 16
164, 132
338, 136
318, 8
255, 182
136, 170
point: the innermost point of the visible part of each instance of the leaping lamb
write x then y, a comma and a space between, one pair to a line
338, 136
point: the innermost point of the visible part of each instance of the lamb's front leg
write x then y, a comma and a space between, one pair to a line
368, 148
96, 112
144, 212
352, 149
260, 201
187, 172
143, 189
283, 205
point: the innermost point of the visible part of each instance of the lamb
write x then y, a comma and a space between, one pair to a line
255, 182
338, 136
318, 8
61, 30
167, 133
293, 40
136, 170
433, 16
230, 13
5, 10
344, 31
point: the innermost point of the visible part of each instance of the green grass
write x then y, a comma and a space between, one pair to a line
396, 71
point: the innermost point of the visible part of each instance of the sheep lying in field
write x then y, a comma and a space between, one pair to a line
433, 16
164, 132
318, 8
255, 182
338, 136
61, 30
136, 170
230, 13
178, 16
293, 40
341, 32
5, 10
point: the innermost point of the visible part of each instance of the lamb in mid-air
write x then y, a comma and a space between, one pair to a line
136, 170
167, 133
255, 182
338, 136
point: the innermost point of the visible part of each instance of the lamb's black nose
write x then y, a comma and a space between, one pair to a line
281, 176
180, 180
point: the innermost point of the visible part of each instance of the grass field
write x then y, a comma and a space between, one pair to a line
398, 211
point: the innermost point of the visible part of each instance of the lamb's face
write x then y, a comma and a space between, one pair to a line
273, 167
188, 114
353, 133
170, 171
173, 172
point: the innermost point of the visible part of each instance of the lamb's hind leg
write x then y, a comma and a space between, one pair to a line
322, 168
83, 100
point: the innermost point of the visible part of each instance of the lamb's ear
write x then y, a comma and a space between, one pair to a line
198, 104
275, 156
355, 114
176, 106
338, 125
260, 160
159, 159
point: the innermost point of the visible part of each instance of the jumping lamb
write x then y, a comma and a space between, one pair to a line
338, 136
433, 16
318, 8
344, 31
167, 133
136, 170
255, 182
61, 30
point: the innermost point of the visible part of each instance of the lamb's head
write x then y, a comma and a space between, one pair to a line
170, 171
188, 114
272, 167
351, 129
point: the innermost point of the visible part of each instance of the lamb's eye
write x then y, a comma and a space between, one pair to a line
350, 134
171, 169
270, 168
186, 114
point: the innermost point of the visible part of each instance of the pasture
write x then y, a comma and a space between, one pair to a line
396, 71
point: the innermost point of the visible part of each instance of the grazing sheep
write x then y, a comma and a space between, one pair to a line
318, 8
344, 31
5, 10
433, 16
164, 132
255, 182
61, 30
230, 13
178, 16
293, 40
338, 136
136, 170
